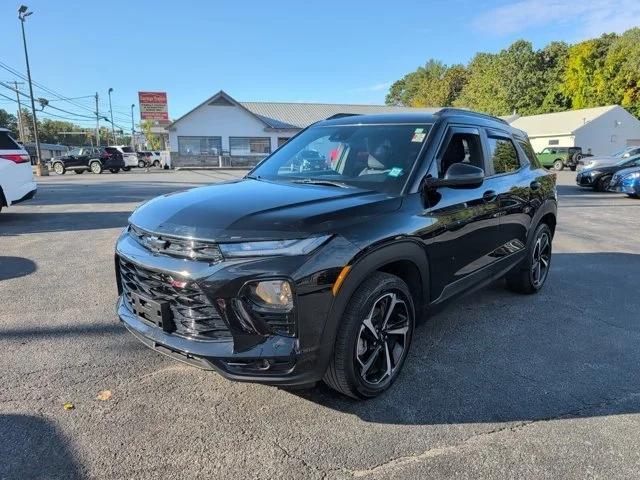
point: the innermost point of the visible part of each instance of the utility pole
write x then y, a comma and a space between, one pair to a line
41, 170
20, 129
113, 129
97, 122
133, 145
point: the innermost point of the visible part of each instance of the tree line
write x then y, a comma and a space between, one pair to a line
558, 77
50, 131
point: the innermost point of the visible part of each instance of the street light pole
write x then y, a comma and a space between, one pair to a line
41, 170
113, 131
97, 122
132, 129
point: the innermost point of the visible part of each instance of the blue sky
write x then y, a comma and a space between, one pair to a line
324, 51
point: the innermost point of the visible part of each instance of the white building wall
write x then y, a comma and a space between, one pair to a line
538, 143
221, 121
608, 133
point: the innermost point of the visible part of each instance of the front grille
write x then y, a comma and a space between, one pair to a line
193, 315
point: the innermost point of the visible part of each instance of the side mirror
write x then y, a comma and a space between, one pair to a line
461, 175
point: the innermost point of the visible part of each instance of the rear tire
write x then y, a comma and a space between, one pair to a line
114, 170
156, 163
59, 168
126, 169
530, 276
558, 165
95, 167
370, 351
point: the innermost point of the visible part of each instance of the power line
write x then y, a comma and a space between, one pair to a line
45, 104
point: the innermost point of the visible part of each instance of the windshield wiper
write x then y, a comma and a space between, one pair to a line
319, 181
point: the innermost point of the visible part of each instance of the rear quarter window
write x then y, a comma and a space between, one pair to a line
526, 147
8, 143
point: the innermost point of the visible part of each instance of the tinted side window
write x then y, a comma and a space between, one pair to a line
461, 148
504, 156
528, 151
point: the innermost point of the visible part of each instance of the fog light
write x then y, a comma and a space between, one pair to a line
273, 294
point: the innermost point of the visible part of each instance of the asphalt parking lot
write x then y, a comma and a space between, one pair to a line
497, 385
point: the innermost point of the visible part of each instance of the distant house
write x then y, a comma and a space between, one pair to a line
245, 132
603, 130
47, 150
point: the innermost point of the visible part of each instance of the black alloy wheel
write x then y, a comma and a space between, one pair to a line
532, 273
603, 183
374, 337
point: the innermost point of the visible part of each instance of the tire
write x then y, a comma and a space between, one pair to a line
59, 168
126, 169
359, 344
633, 195
156, 163
573, 168
95, 167
79, 172
532, 273
141, 164
603, 183
558, 165
577, 156
114, 170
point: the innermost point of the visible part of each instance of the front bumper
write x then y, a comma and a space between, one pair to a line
628, 187
583, 180
265, 358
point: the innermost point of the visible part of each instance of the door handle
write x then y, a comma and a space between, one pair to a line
535, 185
489, 196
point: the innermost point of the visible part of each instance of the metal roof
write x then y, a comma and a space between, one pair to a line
560, 123
295, 115
300, 115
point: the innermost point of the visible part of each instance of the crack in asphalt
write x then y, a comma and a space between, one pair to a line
401, 462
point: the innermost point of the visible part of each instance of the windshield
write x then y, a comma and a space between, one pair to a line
372, 157
629, 161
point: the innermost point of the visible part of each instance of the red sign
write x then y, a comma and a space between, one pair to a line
153, 106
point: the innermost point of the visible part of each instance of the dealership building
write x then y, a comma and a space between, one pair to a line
223, 131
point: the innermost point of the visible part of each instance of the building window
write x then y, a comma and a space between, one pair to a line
249, 145
554, 142
282, 141
200, 145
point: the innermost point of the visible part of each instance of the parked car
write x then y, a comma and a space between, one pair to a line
560, 157
288, 277
151, 159
626, 181
598, 178
130, 157
601, 161
16, 175
94, 159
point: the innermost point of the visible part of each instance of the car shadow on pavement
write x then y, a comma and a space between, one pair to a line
32, 447
576, 190
27, 222
16, 267
495, 356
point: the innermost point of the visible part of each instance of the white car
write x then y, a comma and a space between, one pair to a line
16, 175
129, 155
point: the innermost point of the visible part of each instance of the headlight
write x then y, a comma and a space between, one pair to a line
273, 247
274, 294
593, 173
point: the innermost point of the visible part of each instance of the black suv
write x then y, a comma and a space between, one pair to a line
293, 275
95, 159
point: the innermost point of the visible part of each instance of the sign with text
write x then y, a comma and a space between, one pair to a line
153, 106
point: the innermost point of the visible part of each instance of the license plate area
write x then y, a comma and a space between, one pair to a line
157, 313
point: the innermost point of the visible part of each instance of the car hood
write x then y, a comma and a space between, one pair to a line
258, 210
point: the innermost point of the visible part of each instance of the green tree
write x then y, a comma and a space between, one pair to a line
7, 120
484, 90
553, 62
154, 142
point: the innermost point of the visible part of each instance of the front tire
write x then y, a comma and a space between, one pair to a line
633, 195
531, 275
95, 168
59, 168
373, 339
558, 165
603, 183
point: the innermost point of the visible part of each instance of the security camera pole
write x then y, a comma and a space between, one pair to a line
41, 170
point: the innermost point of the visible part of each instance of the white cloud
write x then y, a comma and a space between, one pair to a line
586, 19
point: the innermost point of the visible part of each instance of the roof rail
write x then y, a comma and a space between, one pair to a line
449, 111
342, 115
